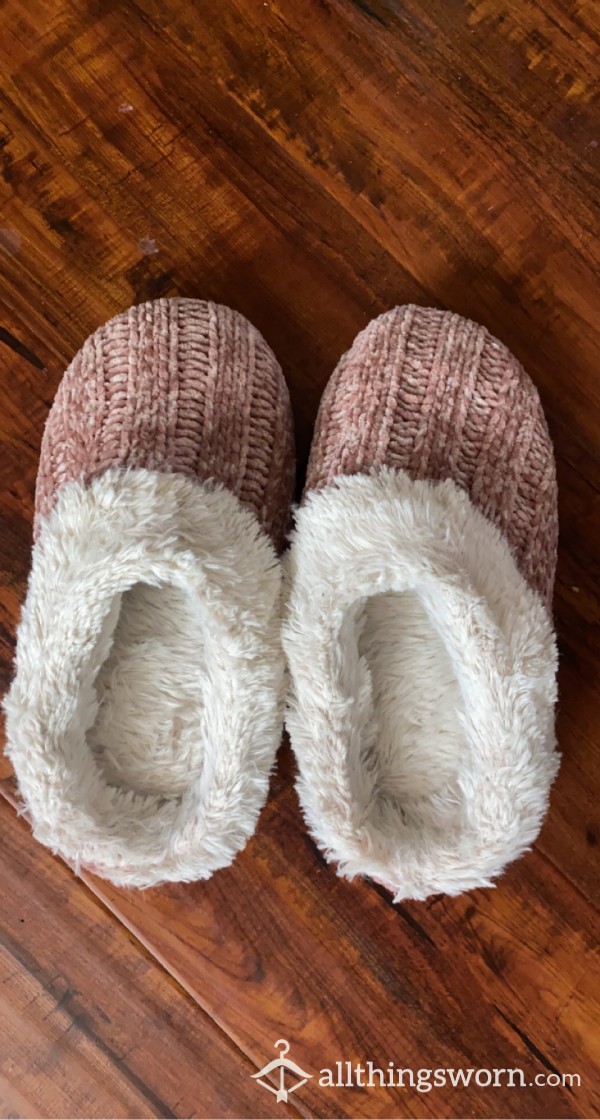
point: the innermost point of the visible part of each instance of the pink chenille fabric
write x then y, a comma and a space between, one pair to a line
175, 385
437, 396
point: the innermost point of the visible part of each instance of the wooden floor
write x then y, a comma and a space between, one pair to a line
311, 163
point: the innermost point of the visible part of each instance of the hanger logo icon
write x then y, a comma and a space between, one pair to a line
282, 1064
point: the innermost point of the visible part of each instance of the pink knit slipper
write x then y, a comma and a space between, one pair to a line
146, 709
418, 632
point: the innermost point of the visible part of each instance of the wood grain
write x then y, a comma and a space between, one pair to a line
89, 1024
311, 164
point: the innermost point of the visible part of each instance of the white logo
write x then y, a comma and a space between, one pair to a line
282, 1064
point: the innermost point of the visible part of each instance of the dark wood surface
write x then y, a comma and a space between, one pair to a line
90, 1025
311, 163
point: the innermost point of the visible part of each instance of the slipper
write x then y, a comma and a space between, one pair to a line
146, 708
418, 632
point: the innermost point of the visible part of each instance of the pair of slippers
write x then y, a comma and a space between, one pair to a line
414, 616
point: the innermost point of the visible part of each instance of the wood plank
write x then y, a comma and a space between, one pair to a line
449, 209
313, 164
90, 1025
277, 946
502, 978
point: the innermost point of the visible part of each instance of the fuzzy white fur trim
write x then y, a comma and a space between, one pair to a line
421, 706
147, 706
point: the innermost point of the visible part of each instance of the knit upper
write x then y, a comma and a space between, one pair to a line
437, 396
175, 385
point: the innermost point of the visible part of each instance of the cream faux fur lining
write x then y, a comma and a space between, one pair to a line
422, 685
146, 709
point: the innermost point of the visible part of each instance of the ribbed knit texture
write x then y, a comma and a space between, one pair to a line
435, 395
175, 385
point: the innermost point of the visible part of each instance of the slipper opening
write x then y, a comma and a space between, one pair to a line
417, 746
150, 691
